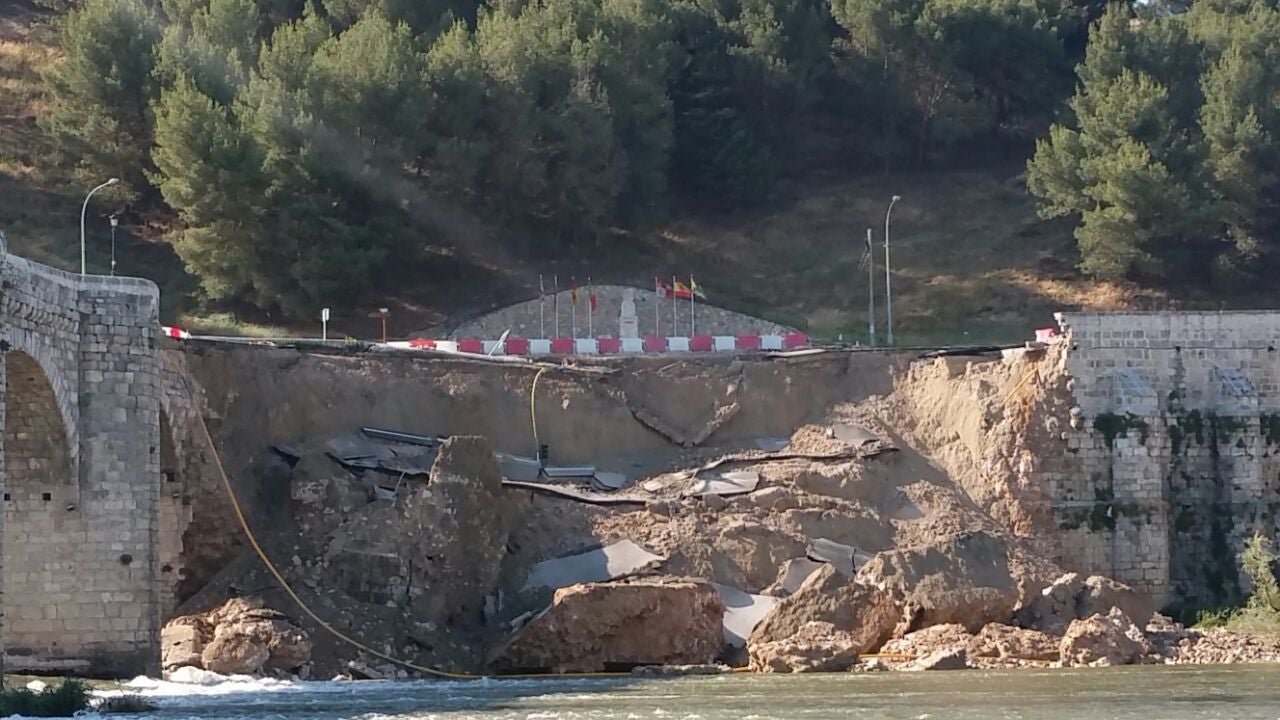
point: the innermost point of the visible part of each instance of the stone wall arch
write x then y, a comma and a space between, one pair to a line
43, 525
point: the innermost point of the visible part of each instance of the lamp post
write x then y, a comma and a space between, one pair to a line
83, 209
382, 313
888, 289
115, 221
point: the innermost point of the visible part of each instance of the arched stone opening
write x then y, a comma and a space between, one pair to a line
43, 527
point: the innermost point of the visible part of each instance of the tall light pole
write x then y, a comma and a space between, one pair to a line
871, 291
84, 208
115, 221
888, 288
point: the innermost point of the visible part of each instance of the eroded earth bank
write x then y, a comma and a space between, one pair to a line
823, 512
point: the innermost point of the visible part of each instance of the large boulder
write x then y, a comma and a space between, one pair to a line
864, 611
240, 637
235, 654
182, 641
1102, 640
817, 647
1072, 597
1014, 643
964, 579
594, 626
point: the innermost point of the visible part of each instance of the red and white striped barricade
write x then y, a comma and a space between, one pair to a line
517, 346
609, 345
632, 345
701, 343
562, 346
540, 346
586, 346
175, 333
677, 344
655, 344
795, 340
770, 342
470, 345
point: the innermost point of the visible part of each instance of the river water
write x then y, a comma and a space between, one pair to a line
1140, 693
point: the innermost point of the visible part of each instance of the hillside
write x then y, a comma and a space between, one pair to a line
972, 261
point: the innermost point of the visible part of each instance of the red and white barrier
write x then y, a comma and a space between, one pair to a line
175, 333
651, 344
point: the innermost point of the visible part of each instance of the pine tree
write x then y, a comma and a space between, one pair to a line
103, 88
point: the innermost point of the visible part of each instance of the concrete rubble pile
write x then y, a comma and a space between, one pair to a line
863, 533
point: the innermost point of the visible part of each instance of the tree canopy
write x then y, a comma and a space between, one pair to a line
300, 142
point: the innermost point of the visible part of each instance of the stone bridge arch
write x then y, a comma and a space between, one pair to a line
80, 469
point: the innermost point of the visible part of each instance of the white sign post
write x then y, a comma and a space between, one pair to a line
324, 324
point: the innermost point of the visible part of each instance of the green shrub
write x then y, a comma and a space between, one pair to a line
64, 700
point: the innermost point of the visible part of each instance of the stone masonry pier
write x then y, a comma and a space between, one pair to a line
80, 471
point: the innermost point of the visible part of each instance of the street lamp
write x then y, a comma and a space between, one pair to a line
84, 208
382, 313
115, 220
888, 289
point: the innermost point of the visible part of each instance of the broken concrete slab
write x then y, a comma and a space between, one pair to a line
611, 562
572, 492
742, 612
770, 444
569, 471
846, 558
795, 571
737, 482
517, 467
402, 437
345, 448
854, 435
609, 480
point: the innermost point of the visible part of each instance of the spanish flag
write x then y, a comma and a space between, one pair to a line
682, 290
697, 289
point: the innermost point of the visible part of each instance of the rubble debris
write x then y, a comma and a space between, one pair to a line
611, 562
598, 626
953, 659
816, 647
1072, 597
963, 579
1104, 640
830, 596
668, 671
240, 637
743, 611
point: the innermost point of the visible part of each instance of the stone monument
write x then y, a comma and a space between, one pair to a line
628, 323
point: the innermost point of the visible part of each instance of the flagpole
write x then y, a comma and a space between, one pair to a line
591, 310
542, 310
692, 330
657, 300
674, 303
871, 290
555, 280
573, 308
